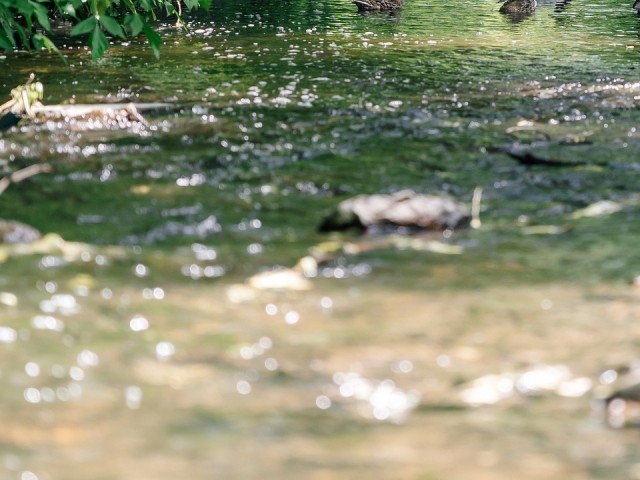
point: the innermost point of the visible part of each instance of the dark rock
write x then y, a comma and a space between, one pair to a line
8, 120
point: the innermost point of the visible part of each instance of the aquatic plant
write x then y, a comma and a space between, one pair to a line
26, 23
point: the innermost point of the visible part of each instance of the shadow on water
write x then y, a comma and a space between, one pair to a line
139, 349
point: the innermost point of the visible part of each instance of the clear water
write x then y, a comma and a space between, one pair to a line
135, 360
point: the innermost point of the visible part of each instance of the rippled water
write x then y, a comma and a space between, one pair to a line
137, 353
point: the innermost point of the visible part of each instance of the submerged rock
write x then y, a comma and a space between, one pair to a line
17, 232
406, 208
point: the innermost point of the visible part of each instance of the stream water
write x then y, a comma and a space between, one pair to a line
140, 357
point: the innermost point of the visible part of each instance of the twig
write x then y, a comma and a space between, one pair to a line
4, 184
475, 208
22, 174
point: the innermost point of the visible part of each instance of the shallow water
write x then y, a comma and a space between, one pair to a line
140, 359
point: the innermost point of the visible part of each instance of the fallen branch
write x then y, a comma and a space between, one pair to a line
78, 110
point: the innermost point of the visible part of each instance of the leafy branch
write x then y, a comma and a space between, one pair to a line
26, 23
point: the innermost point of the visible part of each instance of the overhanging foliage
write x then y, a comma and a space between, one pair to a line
27, 23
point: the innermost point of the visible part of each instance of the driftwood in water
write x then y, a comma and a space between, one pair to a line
71, 111
115, 115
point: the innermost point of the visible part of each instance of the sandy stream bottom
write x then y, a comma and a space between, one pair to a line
219, 410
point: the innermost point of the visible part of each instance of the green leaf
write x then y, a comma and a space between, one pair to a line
8, 35
101, 5
38, 44
68, 9
191, 4
42, 41
84, 26
98, 42
154, 39
112, 26
48, 44
64, 5
26, 10
42, 15
4, 43
129, 4
24, 7
135, 23
205, 4
21, 33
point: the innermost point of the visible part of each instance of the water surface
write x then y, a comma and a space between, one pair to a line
135, 361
